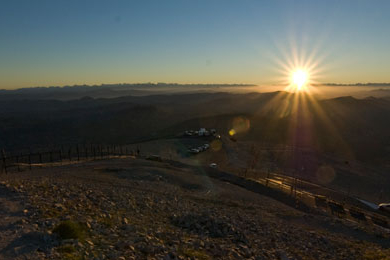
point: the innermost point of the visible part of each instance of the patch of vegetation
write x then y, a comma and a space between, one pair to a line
107, 222
68, 252
50, 213
66, 249
69, 230
192, 253
68, 256
372, 254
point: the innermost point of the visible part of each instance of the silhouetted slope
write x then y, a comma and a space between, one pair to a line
345, 126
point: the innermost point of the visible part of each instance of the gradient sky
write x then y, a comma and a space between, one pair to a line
68, 42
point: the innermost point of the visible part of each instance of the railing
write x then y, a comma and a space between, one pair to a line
322, 202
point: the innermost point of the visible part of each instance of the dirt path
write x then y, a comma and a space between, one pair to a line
18, 239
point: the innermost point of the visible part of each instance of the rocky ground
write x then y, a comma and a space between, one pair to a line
138, 209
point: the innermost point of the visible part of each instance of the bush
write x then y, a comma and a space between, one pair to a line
66, 249
69, 230
196, 254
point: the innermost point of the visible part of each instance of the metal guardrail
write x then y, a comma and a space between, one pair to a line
322, 202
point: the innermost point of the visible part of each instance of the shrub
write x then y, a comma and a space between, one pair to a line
192, 253
66, 249
69, 230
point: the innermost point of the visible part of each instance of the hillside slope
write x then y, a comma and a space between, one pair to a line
137, 209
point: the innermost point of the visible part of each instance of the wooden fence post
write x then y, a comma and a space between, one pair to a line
60, 154
17, 163
4, 161
29, 159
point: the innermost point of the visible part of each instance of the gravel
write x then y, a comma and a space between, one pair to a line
151, 218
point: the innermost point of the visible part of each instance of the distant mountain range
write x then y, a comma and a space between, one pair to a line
357, 84
107, 90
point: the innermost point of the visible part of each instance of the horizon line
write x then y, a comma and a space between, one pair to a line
329, 84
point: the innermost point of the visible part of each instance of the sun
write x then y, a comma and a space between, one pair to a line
299, 70
299, 79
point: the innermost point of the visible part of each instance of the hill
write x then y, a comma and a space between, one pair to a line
350, 135
332, 125
133, 208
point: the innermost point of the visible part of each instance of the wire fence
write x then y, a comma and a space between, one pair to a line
11, 162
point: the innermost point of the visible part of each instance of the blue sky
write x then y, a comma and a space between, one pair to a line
45, 43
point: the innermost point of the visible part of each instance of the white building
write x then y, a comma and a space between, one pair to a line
202, 132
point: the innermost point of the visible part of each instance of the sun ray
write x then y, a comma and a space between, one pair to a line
299, 104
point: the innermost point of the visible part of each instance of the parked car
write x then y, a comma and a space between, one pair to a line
213, 165
384, 207
194, 150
